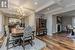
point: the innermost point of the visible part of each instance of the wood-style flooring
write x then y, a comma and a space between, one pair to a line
58, 42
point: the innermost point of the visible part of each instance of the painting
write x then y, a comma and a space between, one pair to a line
59, 19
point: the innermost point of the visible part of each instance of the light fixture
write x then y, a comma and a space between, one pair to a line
22, 12
48, 8
36, 3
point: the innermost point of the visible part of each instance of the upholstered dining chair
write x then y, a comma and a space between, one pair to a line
7, 35
27, 37
10, 39
73, 32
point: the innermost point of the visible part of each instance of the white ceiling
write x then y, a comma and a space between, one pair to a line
42, 6
58, 4
67, 14
30, 4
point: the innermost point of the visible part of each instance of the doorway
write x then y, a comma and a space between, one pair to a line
58, 28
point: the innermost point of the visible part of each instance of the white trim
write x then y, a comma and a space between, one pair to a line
46, 5
61, 10
59, 3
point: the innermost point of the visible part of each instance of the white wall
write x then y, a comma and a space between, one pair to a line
27, 20
32, 22
67, 20
1, 25
73, 21
54, 24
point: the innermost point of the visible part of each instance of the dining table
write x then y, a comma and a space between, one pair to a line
17, 32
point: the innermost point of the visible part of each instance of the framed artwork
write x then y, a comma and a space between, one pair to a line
59, 19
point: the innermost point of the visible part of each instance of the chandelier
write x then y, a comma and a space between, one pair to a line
23, 12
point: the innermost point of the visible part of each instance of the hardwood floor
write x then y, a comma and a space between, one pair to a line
46, 48
58, 42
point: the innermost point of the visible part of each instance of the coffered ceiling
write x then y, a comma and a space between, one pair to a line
59, 5
67, 14
37, 5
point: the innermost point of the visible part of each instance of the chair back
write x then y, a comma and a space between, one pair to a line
27, 31
7, 31
74, 30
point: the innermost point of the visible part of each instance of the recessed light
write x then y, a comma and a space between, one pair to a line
35, 3
48, 9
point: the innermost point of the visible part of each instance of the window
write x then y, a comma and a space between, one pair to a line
3, 3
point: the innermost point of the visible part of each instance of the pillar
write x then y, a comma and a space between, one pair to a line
49, 24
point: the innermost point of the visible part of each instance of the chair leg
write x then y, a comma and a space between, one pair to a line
30, 42
7, 45
23, 46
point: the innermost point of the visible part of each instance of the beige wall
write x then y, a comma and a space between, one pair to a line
32, 21
27, 20
5, 20
1, 24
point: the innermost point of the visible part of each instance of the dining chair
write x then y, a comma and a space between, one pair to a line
27, 36
7, 35
10, 39
73, 32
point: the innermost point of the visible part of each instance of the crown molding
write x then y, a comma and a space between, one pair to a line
61, 10
44, 6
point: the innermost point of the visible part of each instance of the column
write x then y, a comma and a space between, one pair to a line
49, 24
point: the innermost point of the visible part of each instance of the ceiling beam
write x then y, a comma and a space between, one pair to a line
59, 3
60, 10
18, 6
45, 6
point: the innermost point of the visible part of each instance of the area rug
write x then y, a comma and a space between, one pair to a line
37, 45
